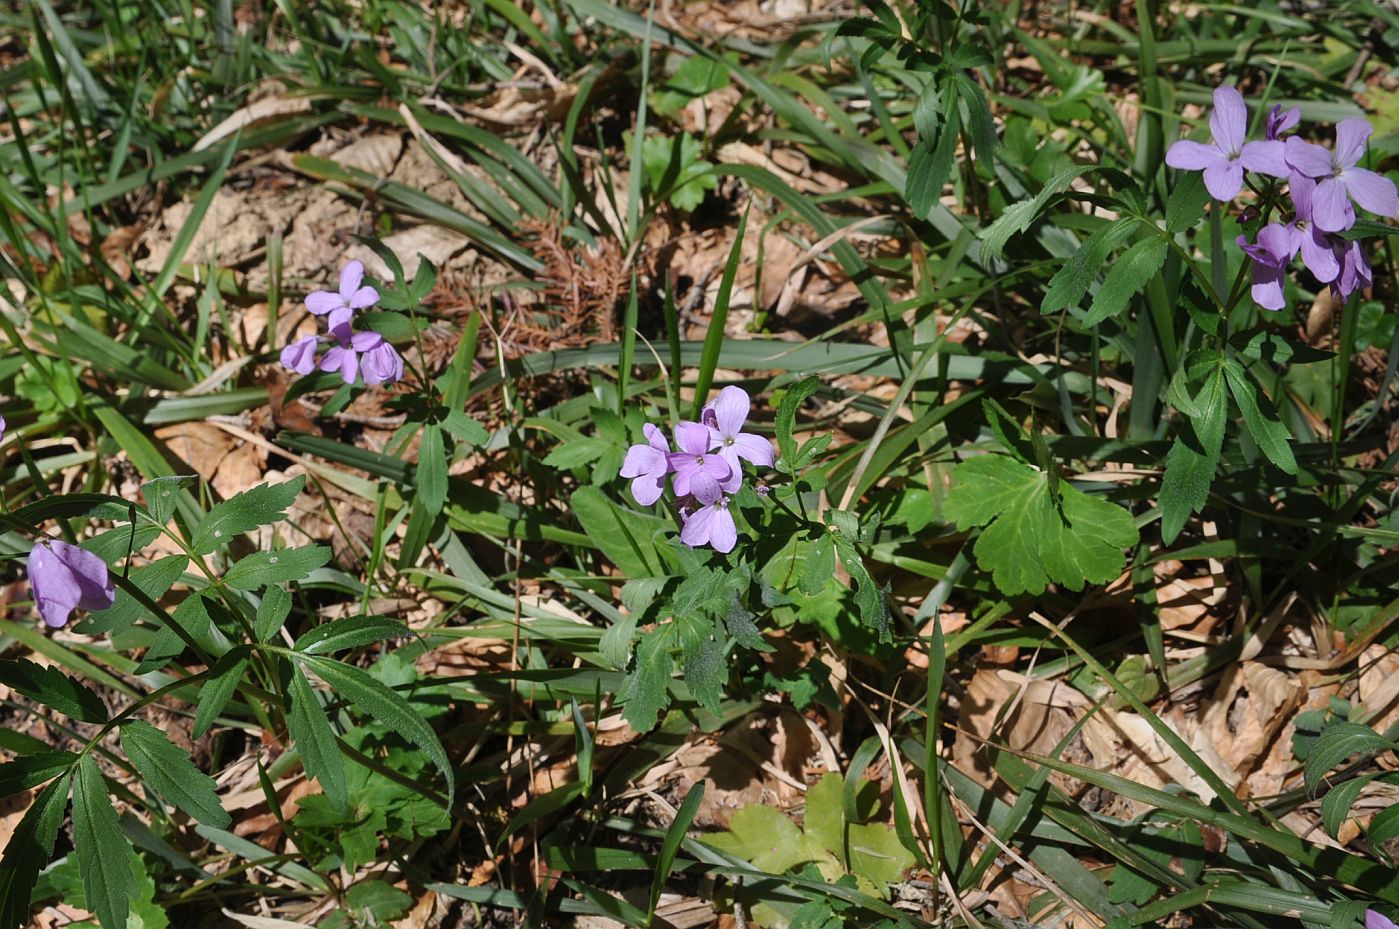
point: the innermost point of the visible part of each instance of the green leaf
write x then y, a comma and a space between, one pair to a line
675, 166
465, 428
625, 536
646, 692
877, 854
219, 688
670, 846
578, 452
1017, 217
432, 469
1193, 459
1260, 418
272, 612
702, 663
1186, 203
350, 632
315, 740
154, 580
32, 770
53, 689
1029, 542
1337, 742
1384, 826
1071, 282
768, 839
825, 813
1128, 275
820, 565
172, 773
276, 567
792, 399
697, 76
261, 506
161, 495
104, 855
1335, 806
28, 850
378, 902
385, 707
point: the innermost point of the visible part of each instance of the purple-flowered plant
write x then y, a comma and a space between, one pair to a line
1355, 270
1225, 161
1374, 920
1270, 255
705, 468
65, 578
354, 353
1340, 180
1280, 122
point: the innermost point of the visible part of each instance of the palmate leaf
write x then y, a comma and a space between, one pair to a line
1030, 542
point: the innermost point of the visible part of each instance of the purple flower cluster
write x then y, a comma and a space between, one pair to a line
354, 353
704, 471
1324, 185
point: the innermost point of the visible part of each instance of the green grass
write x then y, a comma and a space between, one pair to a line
952, 162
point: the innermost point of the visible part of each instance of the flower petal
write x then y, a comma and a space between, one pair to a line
730, 410
351, 276
1268, 158
646, 489
1267, 287
1308, 158
364, 341
1224, 180
643, 460
1351, 135
1277, 240
1193, 156
300, 356
363, 297
723, 534
1375, 920
692, 438
755, 448
1330, 207
655, 437
338, 322
1229, 121
698, 527
1371, 191
322, 302
1318, 255
1302, 189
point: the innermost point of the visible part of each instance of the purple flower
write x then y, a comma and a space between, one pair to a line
65, 578
1280, 122
724, 419
1355, 270
648, 466
1340, 180
1375, 920
1317, 253
300, 355
1270, 255
2, 427
381, 363
696, 471
1224, 161
341, 306
709, 524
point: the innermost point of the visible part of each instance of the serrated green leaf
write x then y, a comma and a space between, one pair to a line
646, 692
1071, 282
625, 536
869, 597
1186, 203
28, 851
315, 739
702, 663
350, 632
465, 428
577, 453
1129, 274
53, 689
820, 565
276, 567
786, 420
272, 612
1193, 459
1340, 740
161, 496
172, 773
154, 580
104, 855
1017, 217
1384, 826
262, 505
386, 707
431, 472
1029, 542
1261, 418
32, 770
219, 688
